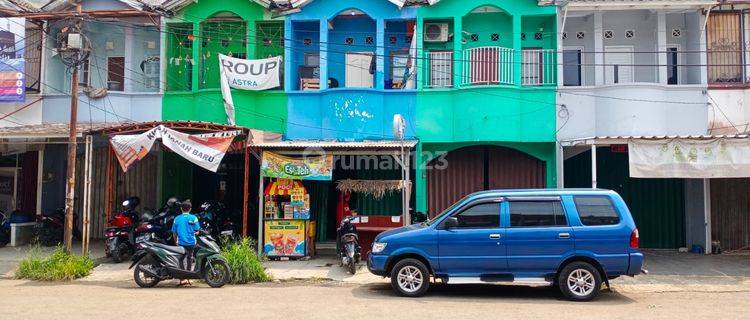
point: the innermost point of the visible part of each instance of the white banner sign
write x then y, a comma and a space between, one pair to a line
262, 74
205, 150
685, 158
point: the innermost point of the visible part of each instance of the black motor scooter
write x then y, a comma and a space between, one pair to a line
162, 262
347, 242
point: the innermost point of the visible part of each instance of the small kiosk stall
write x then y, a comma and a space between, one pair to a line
288, 231
308, 187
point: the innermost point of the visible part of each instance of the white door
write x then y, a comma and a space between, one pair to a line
618, 64
358, 69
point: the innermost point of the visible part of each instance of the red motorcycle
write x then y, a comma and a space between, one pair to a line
118, 235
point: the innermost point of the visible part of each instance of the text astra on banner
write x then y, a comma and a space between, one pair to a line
260, 74
205, 150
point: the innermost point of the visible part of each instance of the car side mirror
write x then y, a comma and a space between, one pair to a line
450, 223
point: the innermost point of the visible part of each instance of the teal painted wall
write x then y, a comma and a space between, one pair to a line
513, 116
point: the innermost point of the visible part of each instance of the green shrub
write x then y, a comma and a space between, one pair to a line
59, 266
244, 262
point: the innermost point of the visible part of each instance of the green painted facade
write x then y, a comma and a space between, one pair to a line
514, 116
195, 37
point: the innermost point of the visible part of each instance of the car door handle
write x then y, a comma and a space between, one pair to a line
495, 236
563, 235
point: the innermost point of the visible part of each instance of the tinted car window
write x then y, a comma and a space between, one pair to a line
596, 211
483, 215
536, 214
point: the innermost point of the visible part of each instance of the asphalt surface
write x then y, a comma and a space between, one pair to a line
335, 300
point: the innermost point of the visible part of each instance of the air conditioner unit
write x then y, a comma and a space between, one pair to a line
436, 32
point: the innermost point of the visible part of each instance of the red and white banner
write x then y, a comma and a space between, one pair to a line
205, 150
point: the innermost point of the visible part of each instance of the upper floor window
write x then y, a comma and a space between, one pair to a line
725, 47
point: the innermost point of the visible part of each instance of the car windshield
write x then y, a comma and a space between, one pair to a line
429, 222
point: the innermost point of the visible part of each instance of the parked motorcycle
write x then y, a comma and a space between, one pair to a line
118, 240
50, 228
160, 262
216, 222
347, 242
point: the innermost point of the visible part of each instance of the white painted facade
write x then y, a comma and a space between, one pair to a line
630, 82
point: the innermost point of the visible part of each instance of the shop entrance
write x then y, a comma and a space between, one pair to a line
477, 168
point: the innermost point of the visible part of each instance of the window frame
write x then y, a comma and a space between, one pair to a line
472, 204
580, 50
611, 203
539, 199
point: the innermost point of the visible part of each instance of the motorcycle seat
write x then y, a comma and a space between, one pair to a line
175, 249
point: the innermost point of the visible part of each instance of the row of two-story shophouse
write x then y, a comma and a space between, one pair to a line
505, 94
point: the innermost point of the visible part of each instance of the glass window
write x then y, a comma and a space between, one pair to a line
596, 211
572, 67
536, 214
672, 66
483, 215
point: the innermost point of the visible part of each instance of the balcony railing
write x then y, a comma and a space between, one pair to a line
538, 67
487, 66
483, 66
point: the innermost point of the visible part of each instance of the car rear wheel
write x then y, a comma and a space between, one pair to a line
579, 281
410, 278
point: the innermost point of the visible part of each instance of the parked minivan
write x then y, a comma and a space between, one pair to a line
569, 238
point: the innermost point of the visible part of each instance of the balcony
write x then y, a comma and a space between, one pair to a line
491, 66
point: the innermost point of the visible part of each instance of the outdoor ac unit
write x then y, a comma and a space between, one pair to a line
436, 32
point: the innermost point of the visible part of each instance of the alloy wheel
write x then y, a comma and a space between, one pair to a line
581, 282
410, 279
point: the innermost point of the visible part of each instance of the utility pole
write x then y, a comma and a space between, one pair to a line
72, 148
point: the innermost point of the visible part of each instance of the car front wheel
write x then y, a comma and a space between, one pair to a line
410, 278
579, 281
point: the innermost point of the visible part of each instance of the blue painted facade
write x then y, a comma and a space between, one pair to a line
337, 111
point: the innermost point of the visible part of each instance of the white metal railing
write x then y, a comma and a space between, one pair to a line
538, 67
441, 69
487, 66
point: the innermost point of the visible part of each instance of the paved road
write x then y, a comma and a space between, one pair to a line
328, 300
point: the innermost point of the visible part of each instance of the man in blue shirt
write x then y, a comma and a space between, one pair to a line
185, 226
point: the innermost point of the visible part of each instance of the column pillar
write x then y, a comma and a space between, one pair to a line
380, 54
420, 180
593, 166
421, 54
661, 38
195, 57
289, 62
323, 54
517, 47
128, 68
598, 50
458, 63
560, 163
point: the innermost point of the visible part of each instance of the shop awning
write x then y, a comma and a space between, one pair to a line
333, 144
49, 130
610, 140
698, 157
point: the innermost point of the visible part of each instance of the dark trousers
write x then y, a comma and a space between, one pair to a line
188, 257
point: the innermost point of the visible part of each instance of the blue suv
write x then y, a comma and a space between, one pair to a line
574, 239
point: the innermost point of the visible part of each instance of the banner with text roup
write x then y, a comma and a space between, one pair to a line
205, 150
686, 158
261, 74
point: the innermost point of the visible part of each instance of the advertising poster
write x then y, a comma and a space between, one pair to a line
308, 168
12, 63
284, 238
